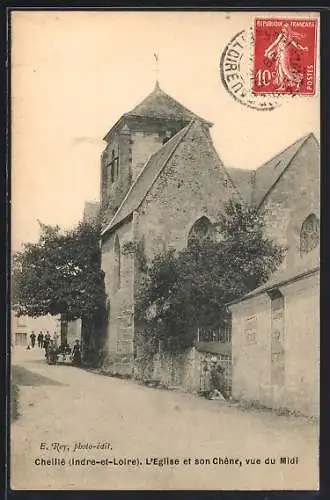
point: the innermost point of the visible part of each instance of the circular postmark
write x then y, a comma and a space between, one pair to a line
236, 71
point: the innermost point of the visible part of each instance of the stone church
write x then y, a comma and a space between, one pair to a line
162, 180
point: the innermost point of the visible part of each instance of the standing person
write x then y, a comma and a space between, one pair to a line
55, 336
40, 339
33, 339
204, 381
76, 353
46, 343
217, 380
52, 353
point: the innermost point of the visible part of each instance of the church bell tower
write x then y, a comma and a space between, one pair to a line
133, 139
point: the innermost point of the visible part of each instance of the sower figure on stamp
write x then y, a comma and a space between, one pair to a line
280, 51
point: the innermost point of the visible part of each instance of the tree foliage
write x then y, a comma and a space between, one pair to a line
187, 289
60, 274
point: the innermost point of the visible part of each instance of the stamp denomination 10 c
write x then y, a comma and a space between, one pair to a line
284, 56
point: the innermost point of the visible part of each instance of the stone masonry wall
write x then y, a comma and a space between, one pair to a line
293, 198
137, 140
144, 144
302, 319
251, 357
252, 361
147, 137
120, 325
189, 370
191, 185
113, 193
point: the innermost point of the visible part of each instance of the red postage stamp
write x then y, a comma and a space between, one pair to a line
284, 56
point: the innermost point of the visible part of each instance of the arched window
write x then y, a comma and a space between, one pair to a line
309, 234
116, 269
201, 230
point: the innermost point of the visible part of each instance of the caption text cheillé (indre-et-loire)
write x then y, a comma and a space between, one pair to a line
61, 448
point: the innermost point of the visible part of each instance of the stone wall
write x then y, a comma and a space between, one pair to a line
179, 370
303, 345
120, 317
147, 137
251, 358
144, 144
192, 184
189, 370
113, 192
136, 140
252, 361
295, 195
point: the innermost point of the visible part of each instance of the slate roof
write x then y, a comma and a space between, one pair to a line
254, 185
243, 180
269, 173
146, 178
158, 104
308, 265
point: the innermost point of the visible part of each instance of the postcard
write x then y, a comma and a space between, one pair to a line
165, 250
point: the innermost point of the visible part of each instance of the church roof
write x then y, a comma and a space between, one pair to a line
146, 179
309, 265
243, 180
268, 174
254, 185
158, 104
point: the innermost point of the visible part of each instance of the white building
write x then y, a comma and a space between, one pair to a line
22, 327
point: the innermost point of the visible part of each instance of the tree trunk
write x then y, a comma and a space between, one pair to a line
64, 329
93, 338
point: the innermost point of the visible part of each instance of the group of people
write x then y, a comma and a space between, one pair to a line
42, 340
64, 350
52, 350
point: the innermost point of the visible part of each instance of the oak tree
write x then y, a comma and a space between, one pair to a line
187, 289
60, 274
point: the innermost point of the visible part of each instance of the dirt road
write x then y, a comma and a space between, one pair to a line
64, 409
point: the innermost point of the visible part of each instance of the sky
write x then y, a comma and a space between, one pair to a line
75, 73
